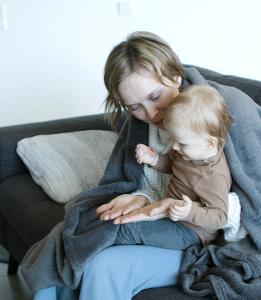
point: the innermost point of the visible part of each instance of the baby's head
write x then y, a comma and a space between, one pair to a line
198, 121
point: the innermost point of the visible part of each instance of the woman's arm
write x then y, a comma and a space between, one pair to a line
151, 212
120, 206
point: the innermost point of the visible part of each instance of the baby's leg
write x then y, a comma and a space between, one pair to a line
163, 233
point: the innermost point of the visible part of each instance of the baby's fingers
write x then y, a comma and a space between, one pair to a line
175, 212
178, 208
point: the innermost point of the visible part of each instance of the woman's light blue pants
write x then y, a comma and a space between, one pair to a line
120, 272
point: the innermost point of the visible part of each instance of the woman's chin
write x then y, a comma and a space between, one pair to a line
159, 124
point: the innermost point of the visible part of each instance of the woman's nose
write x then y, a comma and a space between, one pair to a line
152, 113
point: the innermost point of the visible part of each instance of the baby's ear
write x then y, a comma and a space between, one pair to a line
212, 142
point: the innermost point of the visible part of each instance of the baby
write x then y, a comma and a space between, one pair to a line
197, 122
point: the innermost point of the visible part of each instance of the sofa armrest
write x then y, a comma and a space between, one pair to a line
10, 163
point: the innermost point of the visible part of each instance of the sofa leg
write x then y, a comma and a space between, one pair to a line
12, 266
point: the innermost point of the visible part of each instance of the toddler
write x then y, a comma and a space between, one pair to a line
197, 122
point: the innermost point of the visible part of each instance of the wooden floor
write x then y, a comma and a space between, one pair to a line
13, 287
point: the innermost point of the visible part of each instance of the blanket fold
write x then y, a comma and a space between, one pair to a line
230, 271
63, 253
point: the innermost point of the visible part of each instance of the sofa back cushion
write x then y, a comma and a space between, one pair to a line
10, 162
66, 164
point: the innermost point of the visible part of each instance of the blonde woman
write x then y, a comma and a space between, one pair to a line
143, 76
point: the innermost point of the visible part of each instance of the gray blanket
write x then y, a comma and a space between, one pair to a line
229, 271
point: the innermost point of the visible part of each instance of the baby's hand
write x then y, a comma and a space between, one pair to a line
147, 155
180, 212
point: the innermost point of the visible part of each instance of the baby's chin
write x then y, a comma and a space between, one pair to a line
184, 156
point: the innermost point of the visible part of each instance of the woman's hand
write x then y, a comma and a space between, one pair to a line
155, 211
120, 206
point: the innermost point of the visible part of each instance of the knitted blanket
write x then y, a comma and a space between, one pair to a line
224, 271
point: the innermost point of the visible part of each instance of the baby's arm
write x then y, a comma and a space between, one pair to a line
213, 194
147, 155
180, 209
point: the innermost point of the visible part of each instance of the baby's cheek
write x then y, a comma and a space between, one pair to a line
194, 153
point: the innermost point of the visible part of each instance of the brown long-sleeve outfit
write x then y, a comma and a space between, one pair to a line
206, 183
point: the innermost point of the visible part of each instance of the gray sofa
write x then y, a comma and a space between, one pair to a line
27, 214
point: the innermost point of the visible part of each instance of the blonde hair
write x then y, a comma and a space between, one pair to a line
201, 108
140, 51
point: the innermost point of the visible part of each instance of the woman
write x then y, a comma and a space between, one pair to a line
142, 76
145, 96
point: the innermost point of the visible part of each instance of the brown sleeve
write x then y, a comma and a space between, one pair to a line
213, 193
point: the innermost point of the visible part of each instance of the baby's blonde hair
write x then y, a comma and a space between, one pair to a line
200, 108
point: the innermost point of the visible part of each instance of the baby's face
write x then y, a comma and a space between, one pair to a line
192, 145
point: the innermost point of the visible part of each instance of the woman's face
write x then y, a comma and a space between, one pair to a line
146, 98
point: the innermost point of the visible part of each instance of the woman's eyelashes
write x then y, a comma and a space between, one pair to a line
137, 106
133, 107
155, 97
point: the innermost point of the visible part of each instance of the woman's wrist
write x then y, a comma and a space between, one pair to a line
144, 198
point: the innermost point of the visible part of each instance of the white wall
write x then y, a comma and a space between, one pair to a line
53, 51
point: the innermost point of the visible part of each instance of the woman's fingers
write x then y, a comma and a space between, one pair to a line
105, 216
138, 217
103, 208
139, 214
111, 214
132, 207
162, 207
121, 205
114, 214
133, 217
108, 211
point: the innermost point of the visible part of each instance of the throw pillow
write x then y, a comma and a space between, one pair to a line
65, 164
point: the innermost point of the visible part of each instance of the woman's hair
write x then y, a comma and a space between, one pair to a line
200, 108
141, 51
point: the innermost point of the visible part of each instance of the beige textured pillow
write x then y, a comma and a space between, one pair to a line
66, 164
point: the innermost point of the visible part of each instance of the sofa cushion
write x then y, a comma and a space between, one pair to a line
29, 211
166, 293
66, 164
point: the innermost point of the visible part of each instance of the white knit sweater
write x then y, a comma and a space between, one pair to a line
154, 183
154, 186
